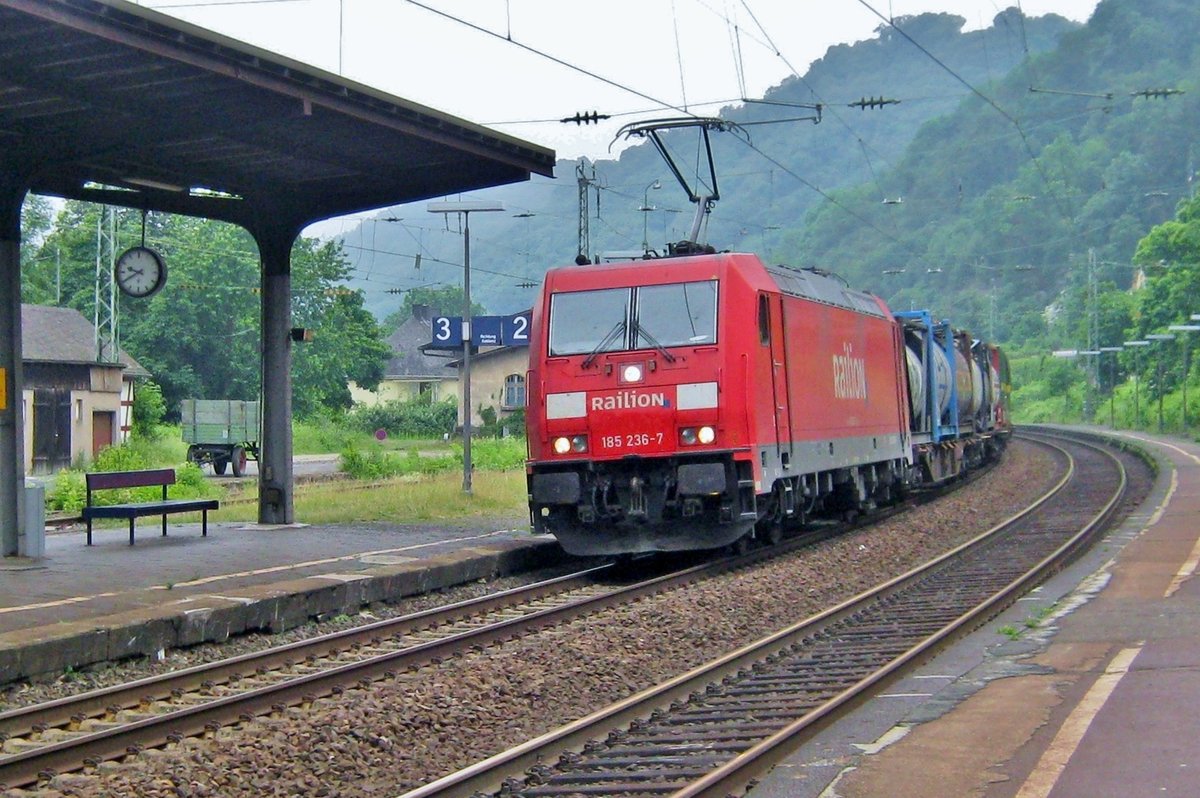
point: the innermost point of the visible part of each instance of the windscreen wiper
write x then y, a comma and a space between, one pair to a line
639, 330
617, 329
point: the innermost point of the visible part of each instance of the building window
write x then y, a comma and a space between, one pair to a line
514, 391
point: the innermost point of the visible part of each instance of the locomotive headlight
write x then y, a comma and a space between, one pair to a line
579, 443
632, 372
690, 436
562, 445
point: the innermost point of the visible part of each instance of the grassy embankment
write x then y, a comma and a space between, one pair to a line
397, 481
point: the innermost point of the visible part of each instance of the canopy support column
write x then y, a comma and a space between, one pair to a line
12, 425
275, 449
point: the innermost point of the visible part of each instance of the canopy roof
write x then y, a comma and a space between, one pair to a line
106, 101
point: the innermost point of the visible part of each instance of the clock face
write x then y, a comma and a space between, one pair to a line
140, 272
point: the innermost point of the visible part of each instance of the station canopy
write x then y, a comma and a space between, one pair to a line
106, 101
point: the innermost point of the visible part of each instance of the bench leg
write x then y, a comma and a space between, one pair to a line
164, 525
89, 535
204, 523
131, 520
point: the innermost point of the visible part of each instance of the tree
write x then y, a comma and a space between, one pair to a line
443, 300
200, 336
348, 344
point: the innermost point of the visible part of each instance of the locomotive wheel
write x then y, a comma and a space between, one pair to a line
740, 546
239, 461
771, 532
219, 465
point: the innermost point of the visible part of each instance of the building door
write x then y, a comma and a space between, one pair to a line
102, 431
51, 430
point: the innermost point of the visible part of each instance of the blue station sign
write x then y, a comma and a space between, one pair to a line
449, 332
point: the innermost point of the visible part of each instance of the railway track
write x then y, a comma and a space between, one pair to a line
40, 741
61, 736
713, 731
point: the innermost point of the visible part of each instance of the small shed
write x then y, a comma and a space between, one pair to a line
73, 404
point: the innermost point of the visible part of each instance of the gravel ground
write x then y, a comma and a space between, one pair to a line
406, 731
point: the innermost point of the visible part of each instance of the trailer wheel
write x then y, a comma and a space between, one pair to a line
219, 464
239, 461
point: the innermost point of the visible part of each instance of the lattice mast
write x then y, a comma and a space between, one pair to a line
105, 318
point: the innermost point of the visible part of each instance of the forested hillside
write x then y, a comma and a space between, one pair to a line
767, 184
1050, 174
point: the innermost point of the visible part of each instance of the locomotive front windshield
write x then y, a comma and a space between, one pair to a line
622, 319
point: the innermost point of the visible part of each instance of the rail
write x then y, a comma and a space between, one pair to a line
714, 730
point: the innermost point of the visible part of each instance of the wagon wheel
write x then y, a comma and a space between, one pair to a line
191, 455
239, 461
219, 464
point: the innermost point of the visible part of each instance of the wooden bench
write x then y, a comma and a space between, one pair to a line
113, 480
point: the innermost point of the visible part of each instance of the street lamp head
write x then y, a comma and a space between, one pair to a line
1184, 327
1137, 343
1160, 337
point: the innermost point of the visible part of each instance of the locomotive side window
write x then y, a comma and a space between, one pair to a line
680, 314
764, 320
582, 322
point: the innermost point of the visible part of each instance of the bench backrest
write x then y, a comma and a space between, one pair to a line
103, 480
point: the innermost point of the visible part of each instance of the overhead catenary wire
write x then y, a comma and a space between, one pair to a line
543, 54
1066, 213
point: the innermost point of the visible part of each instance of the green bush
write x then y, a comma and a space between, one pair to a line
486, 455
149, 409
375, 463
69, 493
495, 454
418, 418
324, 434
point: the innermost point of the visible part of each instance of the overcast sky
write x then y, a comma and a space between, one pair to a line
522, 66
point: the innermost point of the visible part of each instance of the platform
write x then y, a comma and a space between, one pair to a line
1097, 700
80, 605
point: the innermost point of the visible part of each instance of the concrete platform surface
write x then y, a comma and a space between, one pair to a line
79, 604
1098, 700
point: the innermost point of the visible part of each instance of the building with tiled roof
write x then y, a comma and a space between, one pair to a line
74, 405
411, 372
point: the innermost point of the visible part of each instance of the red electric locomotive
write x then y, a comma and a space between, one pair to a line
691, 401
676, 404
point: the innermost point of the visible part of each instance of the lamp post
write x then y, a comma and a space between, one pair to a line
1160, 337
1069, 354
1137, 411
645, 208
1112, 384
1187, 355
466, 208
1091, 383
